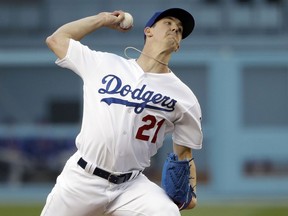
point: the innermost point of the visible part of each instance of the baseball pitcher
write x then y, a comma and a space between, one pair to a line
129, 105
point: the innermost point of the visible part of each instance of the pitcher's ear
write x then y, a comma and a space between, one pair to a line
147, 32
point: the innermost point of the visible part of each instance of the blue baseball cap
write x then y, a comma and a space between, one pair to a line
184, 16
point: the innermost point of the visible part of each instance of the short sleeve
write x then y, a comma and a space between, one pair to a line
78, 58
188, 131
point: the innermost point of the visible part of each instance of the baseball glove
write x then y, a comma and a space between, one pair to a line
176, 181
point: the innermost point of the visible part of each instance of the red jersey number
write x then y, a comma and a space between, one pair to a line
151, 122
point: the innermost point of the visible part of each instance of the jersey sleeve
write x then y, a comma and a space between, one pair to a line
188, 131
78, 58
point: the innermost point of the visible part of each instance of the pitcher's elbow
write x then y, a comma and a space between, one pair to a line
50, 41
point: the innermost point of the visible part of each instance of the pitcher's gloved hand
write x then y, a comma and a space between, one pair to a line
176, 180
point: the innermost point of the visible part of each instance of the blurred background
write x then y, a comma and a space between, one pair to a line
235, 61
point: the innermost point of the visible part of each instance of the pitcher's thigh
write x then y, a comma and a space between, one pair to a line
143, 198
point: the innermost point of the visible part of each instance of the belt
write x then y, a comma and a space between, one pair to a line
113, 178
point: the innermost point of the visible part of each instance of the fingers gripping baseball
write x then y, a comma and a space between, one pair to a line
119, 20
127, 22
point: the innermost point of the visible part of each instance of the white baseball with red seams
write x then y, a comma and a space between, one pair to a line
127, 22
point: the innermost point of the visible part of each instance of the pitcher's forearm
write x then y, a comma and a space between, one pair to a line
193, 175
58, 42
79, 28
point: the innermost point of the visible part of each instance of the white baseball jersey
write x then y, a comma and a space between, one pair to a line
127, 112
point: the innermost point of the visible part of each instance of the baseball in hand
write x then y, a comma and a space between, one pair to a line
127, 22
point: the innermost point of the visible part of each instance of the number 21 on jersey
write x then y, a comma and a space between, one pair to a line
150, 123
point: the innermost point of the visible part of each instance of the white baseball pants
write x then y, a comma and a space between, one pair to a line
78, 193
